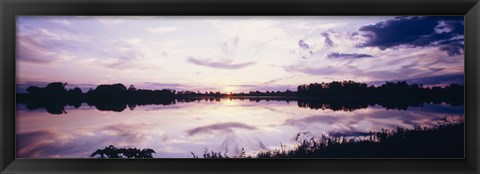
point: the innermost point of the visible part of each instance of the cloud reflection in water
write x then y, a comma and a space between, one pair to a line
192, 127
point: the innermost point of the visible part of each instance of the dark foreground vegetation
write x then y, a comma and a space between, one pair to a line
346, 95
446, 140
114, 152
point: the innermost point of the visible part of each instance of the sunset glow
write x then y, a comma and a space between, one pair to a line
235, 54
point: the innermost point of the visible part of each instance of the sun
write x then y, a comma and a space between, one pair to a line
229, 90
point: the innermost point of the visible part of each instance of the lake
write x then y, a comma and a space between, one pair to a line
176, 130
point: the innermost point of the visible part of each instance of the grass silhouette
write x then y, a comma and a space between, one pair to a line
445, 140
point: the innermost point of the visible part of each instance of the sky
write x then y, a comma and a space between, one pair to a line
237, 54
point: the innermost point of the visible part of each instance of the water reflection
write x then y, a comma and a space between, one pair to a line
175, 130
324, 104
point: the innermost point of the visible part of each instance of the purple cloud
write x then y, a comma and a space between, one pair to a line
348, 56
158, 85
430, 81
38, 47
422, 31
224, 127
54, 143
126, 132
278, 79
47, 144
305, 49
328, 41
302, 44
314, 71
123, 54
59, 41
49, 42
405, 119
264, 87
221, 65
311, 119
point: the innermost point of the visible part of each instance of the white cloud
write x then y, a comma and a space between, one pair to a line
110, 20
161, 29
250, 29
132, 41
60, 21
42, 46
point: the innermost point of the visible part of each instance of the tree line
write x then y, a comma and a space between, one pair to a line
345, 95
401, 90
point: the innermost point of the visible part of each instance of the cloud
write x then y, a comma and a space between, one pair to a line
110, 20
22, 87
43, 46
245, 85
328, 41
61, 21
305, 49
122, 53
267, 86
224, 127
388, 65
250, 29
47, 45
30, 51
348, 134
373, 119
327, 123
219, 64
303, 45
308, 50
326, 70
264, 87
278, 79
348, 56
125, 132
311, 119
50, 143
39, 46
59, 41
417, 32
159, 85
46, 144
31, 138
161, 29
453, 46
163, 84
430, 81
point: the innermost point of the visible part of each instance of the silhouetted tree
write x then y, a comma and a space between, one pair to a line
113, 152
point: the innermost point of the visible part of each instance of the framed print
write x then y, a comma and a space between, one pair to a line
252, 86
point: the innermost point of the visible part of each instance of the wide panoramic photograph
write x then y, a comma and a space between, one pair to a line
240, 87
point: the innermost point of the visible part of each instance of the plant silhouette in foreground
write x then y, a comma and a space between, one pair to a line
214, 155
113, 152
445, 140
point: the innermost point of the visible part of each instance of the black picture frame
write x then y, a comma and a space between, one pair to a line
10, 8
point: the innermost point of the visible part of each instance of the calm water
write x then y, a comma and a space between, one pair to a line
174, 131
